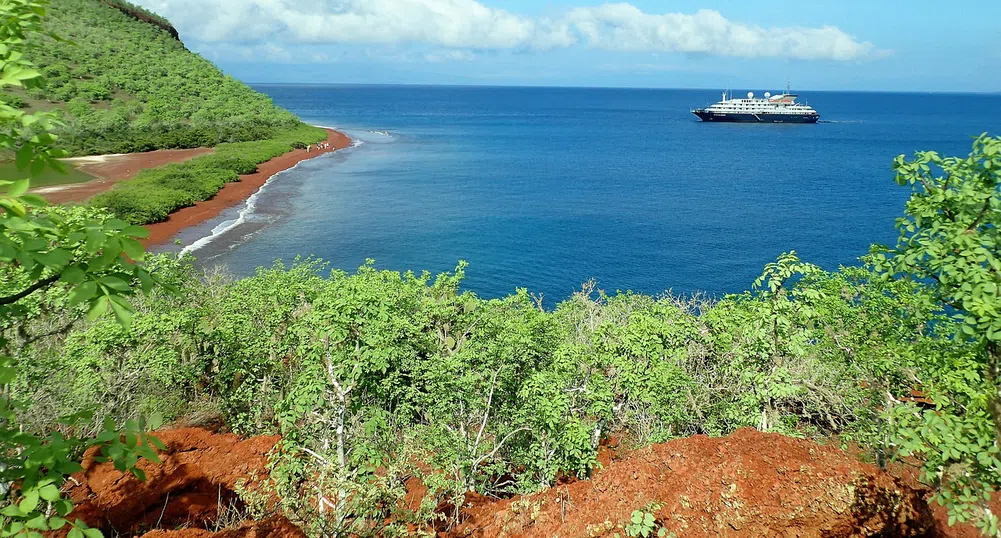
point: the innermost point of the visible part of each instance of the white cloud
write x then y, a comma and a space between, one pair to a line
470, 25
625, 27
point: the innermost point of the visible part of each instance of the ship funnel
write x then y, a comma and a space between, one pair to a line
750, 95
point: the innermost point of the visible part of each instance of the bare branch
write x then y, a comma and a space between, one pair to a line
486, 412
497, 447
45, 282
318, 457
53, 332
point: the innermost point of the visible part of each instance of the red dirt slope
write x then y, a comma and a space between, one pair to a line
199, 473
749, 485
275, 527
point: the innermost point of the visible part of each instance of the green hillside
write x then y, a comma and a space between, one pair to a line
121, 81
125, 85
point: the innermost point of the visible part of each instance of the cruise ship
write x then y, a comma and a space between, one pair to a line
781, 108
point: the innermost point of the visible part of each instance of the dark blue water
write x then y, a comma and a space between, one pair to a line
546, 188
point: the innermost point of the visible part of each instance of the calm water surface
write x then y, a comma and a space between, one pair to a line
546, 188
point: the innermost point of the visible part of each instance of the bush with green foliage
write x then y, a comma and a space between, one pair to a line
376, 370
950, 240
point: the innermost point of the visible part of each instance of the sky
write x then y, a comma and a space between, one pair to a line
868, 45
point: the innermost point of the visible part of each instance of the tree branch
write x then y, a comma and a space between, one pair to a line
496, 449
31, 289
53, 332
486, 412
983, 211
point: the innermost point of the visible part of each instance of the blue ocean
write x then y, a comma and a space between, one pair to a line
546, 188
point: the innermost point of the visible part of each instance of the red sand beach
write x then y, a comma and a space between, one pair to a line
110, 169
236, 192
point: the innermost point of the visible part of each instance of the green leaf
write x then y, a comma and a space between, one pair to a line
34, 200
24, 74
155, 441
133, 249
38, 522
63, 506
37, 167
49, 493
98, 307
136, 231
7, 375
73, 275
95, 240
54, 259
83, 292
29, 502
23, 157
115, 284
155, 421
19, 187
122, 309
11, 510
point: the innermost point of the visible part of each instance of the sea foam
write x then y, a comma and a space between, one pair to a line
248, 209
251, 204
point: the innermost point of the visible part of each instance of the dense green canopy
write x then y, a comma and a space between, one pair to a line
126, 85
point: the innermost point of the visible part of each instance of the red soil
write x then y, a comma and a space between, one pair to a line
274, 527
199, 474
236, 192
110, 169
749, 484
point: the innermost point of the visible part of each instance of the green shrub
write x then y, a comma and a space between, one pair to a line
94, 91
13, 101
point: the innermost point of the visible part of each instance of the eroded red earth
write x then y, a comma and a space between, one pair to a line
749, 484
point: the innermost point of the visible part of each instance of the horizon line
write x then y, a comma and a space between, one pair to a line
572, 87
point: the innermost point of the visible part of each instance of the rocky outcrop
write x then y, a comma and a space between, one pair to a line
144, 16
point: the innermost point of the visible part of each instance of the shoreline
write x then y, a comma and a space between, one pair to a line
237, 192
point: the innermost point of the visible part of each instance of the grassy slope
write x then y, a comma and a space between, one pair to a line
125, 85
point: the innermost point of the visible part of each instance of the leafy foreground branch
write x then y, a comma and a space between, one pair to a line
45, 251
950, 241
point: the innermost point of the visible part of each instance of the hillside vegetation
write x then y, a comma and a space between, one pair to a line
124, 85
118, 81
375, 378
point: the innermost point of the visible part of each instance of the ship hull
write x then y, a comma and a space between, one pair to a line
708, 116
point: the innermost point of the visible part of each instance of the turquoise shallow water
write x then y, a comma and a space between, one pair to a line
545, 188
